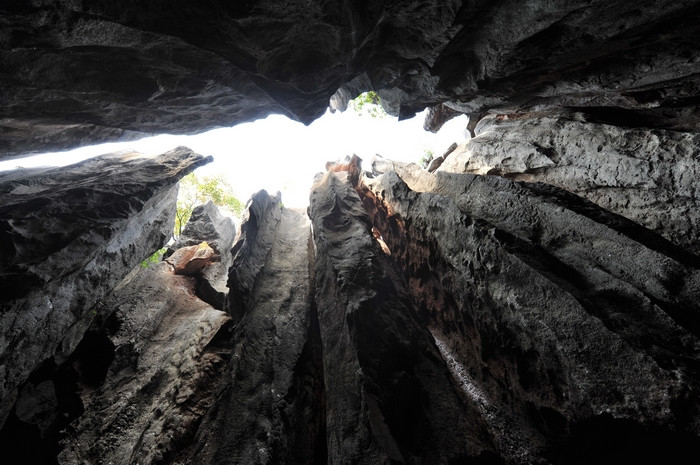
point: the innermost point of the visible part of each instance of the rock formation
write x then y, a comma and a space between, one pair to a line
79, 72
208, 224
419, 318
271, 407
165, 350
555, 316
534, 299
648, 176
68, 236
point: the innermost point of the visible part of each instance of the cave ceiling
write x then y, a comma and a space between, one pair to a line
75, 72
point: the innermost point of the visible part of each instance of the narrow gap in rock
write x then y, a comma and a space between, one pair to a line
33, 425
307, 395
50, 400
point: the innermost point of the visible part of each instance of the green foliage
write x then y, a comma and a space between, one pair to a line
196, 190
368, 103
153, 259
426, 158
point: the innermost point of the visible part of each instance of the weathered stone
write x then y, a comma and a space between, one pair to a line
648, 176
461, 318
435, 163
389, 396
271, 408
257, 235
82, 72
208, 224
191, 260
555, 316
68, 236
160, 375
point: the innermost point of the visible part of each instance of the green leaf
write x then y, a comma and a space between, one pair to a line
196, 190
368, 103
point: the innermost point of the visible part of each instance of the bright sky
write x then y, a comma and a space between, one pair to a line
277, 153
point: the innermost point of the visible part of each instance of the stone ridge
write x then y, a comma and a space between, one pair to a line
270, 407
68, 236
390, 398
75, 73
552, 320
161, 368
647, 176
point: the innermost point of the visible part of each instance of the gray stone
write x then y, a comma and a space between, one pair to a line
271, 406
389, 395
648, 176
68, 236
162, 375
219, 231
208, 224
555, 316
77, 73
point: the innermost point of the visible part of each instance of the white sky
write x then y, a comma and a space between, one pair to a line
277, 153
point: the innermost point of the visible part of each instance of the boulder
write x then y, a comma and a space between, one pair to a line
191, 260
208, 224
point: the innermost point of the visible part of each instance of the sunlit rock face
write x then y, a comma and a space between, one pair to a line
79, 72
68, 236
647, 175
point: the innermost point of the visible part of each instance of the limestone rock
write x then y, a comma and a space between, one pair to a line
160, 375
389, 395
219, 231
564, 323
271, 406
208, 224
191, 260
68, 236
435, 163
258, 228
648, 176
84, 72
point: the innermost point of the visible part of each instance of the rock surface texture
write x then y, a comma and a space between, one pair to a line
159, 371
271, 406
416, 317
648, 176
218, 231
78, 72
68, 236
563, 322
532, 300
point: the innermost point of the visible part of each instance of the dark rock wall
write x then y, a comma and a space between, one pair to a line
390, 398
161, 376
271, 407
68, 237
418, 318
79, 72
